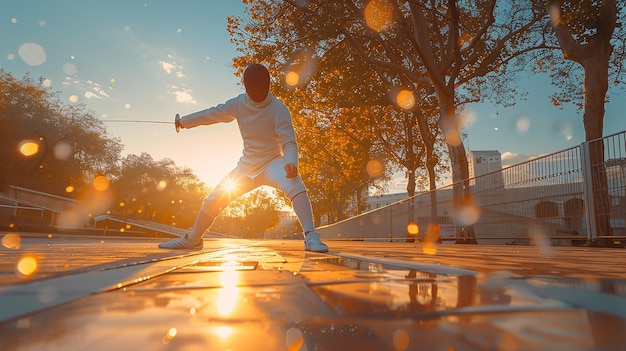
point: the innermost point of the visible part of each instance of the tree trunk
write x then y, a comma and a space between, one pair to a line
411, 166
431, 162
458, 160
594, 57
596, 86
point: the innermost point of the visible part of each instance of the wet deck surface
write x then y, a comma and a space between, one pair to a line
90, 293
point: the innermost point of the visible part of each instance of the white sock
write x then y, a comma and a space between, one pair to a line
302, 206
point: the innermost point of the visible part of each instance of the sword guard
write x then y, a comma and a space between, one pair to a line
177, 123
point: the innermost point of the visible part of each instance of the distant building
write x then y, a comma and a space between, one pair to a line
482, 163
378, 201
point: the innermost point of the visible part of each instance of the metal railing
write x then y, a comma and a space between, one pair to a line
577, 195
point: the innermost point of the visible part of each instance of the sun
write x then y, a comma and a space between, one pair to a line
230, 185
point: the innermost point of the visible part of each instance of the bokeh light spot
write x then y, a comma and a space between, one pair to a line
161, 185
430, 249
292, 78
401, 339
11, 241
32, 54
565, 129
466, 212
223, 331
294, 339
522, 125
374, 168
405, 99
73, 98
171, 333
29, 148
112, 81
69, 189
433, 233
69, 69
62, 150
101, 183
555, 14
412, 229
27, 266
379, 14
453, 137
127, 106
47, 294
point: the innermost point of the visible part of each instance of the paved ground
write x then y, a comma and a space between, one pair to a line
77, 292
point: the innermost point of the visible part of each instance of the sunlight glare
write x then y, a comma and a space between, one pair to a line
223, 331
230, 185
227, 297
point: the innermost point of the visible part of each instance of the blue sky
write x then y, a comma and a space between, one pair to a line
148, 60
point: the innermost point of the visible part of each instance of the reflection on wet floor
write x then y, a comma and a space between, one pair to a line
244, 300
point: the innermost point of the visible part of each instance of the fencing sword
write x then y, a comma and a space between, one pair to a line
176, 122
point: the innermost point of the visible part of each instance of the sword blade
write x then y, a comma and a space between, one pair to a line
134, 121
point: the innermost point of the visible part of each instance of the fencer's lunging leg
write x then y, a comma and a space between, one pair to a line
192, 240
302, 206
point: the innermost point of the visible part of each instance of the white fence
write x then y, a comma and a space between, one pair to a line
567, 197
